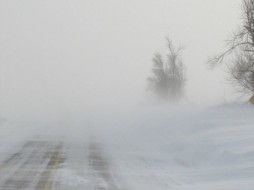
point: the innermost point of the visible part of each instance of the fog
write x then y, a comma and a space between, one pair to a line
65, 57
75, 112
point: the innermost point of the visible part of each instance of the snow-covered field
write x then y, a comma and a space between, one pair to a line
149, 148
183, 148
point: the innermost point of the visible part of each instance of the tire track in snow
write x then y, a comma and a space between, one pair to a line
101, 170
16, 157
46, 180
32, 167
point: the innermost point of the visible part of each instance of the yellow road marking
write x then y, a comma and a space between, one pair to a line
53, 169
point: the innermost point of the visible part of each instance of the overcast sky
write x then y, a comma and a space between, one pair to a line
82, 54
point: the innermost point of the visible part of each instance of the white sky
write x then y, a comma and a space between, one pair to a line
82, 54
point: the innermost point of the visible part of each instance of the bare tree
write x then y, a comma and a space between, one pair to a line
241, 46
168, 77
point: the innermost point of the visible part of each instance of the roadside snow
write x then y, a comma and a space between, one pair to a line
182, 148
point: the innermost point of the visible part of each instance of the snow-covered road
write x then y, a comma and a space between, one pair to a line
32, 166
144, 150
45, 165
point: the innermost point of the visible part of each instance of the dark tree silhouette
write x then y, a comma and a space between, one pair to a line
241, 46
168, 77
